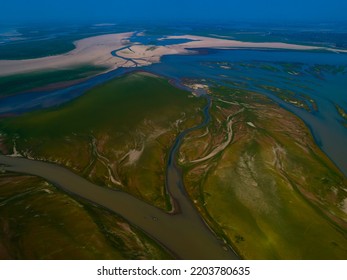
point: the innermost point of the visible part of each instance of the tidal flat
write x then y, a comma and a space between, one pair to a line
40, 81
118, 134
252, 192
235, 153
38, 221
271, 188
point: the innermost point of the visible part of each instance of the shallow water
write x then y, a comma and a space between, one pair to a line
325, 124
184, 234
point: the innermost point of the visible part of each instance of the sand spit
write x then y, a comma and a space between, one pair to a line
144, 55
92, 51
208, 42
97, 51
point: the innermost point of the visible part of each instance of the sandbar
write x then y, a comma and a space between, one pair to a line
98, 50
90, 51
144, 55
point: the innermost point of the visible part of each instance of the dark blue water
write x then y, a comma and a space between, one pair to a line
246, 55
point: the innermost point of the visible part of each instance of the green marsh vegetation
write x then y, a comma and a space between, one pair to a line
271, 192
117, 134
38, 221
267, 189
37, 41
13, 84
35, 49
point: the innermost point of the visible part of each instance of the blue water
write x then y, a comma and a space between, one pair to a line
21, 103
327, 90
246, 55
244, 67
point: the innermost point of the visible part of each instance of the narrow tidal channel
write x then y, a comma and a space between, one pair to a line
183, 232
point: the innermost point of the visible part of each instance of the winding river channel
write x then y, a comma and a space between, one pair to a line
183, 232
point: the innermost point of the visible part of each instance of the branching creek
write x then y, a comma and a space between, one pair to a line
182, 231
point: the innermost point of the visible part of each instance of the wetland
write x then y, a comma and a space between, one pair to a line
214, 154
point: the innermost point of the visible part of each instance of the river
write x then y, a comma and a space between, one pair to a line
325, 123
183, 232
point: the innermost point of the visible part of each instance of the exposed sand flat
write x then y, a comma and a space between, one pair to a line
97, 51
134, 155
93, 51
221, 147
145, 55
208, 42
